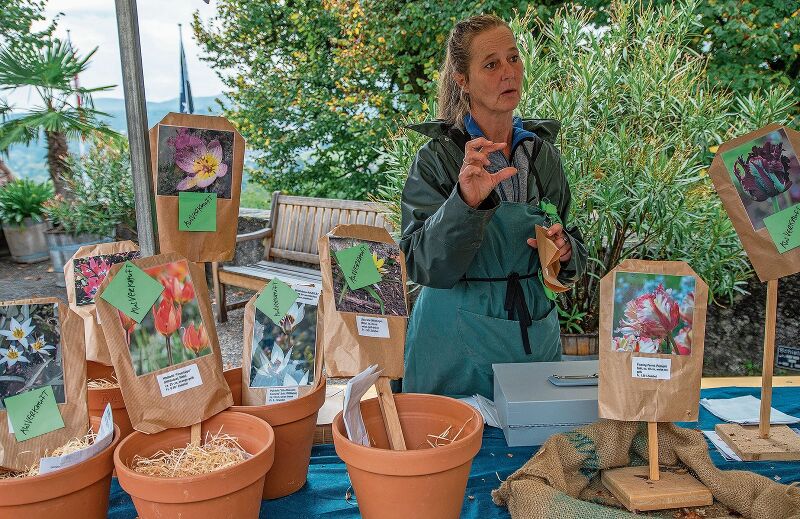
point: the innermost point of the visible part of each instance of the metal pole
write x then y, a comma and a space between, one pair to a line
130, 54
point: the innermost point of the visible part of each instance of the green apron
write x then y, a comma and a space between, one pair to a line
455, 335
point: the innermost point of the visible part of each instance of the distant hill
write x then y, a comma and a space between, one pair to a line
30, 161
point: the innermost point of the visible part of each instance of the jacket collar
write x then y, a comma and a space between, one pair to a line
519, 133
546, 129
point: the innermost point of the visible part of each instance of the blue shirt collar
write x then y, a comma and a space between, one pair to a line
519, 133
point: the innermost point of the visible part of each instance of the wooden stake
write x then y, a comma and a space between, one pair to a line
769, 358
196, 434
652, 450
389, 411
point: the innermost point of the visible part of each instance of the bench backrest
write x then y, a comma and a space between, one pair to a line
297, 223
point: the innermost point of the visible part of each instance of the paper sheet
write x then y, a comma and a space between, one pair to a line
105, 434
485, 407
351, 414
721, 446
744, 410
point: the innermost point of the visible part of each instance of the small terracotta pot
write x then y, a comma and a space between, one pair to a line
294, 423
234, 492
79, 491
233, 377
421, 482
98, 398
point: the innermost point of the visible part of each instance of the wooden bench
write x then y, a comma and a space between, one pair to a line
295, 225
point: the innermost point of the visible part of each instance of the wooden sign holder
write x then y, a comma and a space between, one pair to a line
648, 488
764, 442
389, 413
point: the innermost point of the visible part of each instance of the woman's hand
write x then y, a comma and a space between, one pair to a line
556, 234
475, 183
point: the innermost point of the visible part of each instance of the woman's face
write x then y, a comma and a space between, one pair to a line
494, 78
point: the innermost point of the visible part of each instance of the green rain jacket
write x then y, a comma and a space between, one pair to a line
445, 240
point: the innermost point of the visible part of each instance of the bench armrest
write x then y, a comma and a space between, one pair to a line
255, 235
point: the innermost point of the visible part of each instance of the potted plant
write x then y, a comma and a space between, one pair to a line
97, 204
21, 206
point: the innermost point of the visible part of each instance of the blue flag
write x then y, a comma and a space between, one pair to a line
185, 104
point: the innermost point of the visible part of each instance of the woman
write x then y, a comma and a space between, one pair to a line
470, 205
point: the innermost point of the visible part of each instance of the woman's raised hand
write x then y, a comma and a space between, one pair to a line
475, 183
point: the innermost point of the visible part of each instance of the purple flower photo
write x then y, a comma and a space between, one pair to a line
194, 160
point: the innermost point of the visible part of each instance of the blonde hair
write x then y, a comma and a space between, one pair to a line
453, 102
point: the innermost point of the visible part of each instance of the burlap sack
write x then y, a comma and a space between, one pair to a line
347, 353
16, 455
199, 246
149, 411
559, 480
763, 254
96, 348
258, 395
623, 397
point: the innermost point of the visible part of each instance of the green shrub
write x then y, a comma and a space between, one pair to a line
22, 199
640, 121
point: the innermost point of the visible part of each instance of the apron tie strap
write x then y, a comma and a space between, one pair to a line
515, 303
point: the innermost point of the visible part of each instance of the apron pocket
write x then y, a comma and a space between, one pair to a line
488, 340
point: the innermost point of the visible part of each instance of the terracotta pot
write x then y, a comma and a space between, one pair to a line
421, 482
233, 377
234, 492
77, 491
98, 398
294, 423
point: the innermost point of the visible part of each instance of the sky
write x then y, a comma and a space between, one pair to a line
93, 23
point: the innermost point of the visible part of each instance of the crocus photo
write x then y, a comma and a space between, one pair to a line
284, 353
194, 160
766, 173
653, 313
90, 273
30, 350
173, 331
385, 297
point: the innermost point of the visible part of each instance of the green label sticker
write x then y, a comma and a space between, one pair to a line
358, 267
784, 228
276, 299
33, 413
197, 211
132, 291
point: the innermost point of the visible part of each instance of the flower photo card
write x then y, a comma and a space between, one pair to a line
652, 330
197, 163
757, 177
90, 272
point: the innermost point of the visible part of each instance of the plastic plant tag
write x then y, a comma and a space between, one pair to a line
276, 299
34, 413
132, 291
197, 211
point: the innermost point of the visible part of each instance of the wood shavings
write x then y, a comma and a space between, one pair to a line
71, 446
217, 452
103, 383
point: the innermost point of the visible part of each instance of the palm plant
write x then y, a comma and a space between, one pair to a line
65, 110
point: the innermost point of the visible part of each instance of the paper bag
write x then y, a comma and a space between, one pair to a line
358, 329
652, 328
48, 351
281, 361
550, 261
197, 154
757, 176
169, 366
84, 273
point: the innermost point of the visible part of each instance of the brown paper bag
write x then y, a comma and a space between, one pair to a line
301, 328
83, 273
747, 213
348, 352
646, 308
550, 261
186, 139
158, 394
62, 331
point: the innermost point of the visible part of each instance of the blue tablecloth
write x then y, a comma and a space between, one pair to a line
324, 494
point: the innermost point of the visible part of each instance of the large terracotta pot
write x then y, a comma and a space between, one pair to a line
294, 423
230, 493
79, 492
421, 482
98, 398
